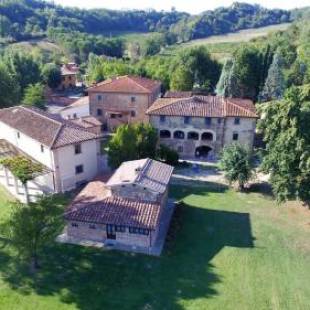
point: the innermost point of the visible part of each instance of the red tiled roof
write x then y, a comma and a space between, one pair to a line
127, 84
87, 121
95, 205
49, 129
203, 106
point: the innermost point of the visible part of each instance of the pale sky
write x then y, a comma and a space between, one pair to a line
191, 6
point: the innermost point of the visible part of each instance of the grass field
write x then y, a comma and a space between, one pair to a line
221, 46
226, 250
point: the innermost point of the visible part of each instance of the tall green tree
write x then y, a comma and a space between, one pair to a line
23, 68
286, 131
34, 96
221, 87
275, 83
9, 90
236, 162
32, 227
51, 75
244, 80
130, 142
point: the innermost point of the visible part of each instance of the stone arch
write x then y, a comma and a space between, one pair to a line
193, 135
207, 136
203, 151
179, 134
164, 134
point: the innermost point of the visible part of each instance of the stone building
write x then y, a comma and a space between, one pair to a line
125, 211
69, 74
123, 100
199, 126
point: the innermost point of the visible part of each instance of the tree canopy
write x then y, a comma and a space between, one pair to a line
286, 131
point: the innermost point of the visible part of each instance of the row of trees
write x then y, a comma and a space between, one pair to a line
21, 77
189, 68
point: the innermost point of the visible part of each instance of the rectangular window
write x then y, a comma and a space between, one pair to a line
235, 136
180, 149
74, 115
74, 225
18, 135
42, 148
79, 169
187, 119
219, 120
162, 118
99, 112
120, 228
133, 99
133, 113
99, 97
237, 121
208, 121
78, 149
133, 230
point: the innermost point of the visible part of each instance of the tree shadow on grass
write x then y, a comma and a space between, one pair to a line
95, 279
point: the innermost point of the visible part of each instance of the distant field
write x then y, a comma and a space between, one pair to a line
42, 44
221, 46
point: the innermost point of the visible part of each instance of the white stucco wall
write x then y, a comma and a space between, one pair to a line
66, 161
27, 145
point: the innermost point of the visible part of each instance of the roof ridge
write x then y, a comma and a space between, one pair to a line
238, 106
142, 171
131, 78
41, 115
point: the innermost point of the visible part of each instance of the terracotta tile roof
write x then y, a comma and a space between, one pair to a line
127, 84
87, 122
69, 69
147, 173
178, 94
203, 106
95, 205
49, 129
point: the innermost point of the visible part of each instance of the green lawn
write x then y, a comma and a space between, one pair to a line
226, 250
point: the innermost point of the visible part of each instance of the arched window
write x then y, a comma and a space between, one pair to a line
207, 136
178, 134
192, 135
165, 134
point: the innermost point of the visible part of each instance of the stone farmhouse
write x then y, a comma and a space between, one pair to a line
126, 212
68, 76
69, 152
200, 126
122, 100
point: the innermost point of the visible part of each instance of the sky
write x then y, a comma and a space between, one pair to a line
191, 6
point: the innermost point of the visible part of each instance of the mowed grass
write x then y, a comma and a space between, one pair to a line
225, 250
222, 46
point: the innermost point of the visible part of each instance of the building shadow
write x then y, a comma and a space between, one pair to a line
96, 279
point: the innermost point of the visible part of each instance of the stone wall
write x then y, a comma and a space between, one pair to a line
97, 232
214, 135
132, 107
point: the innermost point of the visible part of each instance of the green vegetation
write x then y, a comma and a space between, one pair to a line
225, 250
34, 96
130, 142
23, 169
237, 164
31, 227
287, 135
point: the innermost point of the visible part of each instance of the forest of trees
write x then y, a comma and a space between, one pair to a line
25, 19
